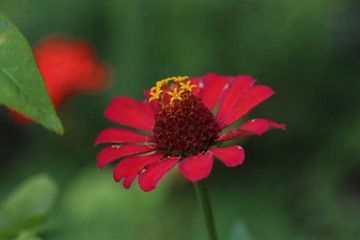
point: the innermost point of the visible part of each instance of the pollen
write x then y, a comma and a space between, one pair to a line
167, 93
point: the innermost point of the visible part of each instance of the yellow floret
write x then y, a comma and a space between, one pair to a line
162, 87
180, 79
155, 95
175, 95
186, 86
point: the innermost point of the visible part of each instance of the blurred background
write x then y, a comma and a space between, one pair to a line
302, 183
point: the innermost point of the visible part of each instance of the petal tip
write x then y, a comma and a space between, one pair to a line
101, 166
197, 167
231, 156
147, 189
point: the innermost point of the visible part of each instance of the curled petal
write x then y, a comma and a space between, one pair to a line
253, 97
214, 86
255, 126
130, 167
273, 124
127, 111
234, 91
120, 135
111, 153
230, 156
197, 167
151, 174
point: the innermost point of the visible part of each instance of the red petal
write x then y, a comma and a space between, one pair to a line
127, 111
111, 153
196, 81
154, 103
129, 168
197, 167
273, 124
254, 96
234, 133
154, 172
120, 135
256, 126
214, 86
19, 117
147, 107
147, 93
238, 86
230, 156
69, 66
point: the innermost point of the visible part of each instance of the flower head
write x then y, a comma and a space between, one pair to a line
68, 67
182, 127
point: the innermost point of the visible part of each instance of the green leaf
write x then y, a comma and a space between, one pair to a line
27, 236
240, 231
28, 206
21, 85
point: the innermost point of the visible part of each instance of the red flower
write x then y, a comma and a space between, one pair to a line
181, 127
68, 67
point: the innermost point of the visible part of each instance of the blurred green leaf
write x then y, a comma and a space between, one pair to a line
28, 206
27, 236
104, 209
22, 87
240, 231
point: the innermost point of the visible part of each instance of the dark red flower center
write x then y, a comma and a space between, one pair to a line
184, 125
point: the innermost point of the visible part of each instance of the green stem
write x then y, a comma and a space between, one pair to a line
203, 198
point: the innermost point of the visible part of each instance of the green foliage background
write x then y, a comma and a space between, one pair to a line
303, 183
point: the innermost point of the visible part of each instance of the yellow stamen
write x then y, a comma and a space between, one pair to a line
154, 89
175, 95
155, 95
186, 86
162, 86
162, 83
180, 79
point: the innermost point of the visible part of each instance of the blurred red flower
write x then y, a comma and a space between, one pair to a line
181, 128
68, 67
